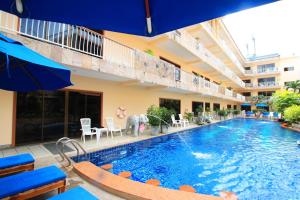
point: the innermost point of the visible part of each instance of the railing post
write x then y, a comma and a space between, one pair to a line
63, 36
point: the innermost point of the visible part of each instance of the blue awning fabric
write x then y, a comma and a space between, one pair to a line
245, 104
24, 70
131, 16
261, 105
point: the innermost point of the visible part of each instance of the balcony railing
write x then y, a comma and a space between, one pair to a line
262, 71
190, 43
132, 63
263, 85
223, 44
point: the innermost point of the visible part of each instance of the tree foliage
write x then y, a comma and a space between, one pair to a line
284, 99
294, 85
292, 114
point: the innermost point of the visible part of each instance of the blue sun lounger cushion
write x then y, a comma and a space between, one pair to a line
74, 194
20, 159
15, 184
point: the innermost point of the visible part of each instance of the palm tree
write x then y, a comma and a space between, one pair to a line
294, 85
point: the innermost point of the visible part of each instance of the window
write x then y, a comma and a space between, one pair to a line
287, 69
195, 106
247, 81
266, 93
171, 104
49, 115
207, 107
247, 68
265, 67
234, 107
268, 81
246, 94
228, 106
216, 106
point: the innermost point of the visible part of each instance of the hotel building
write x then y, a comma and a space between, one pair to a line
183, 69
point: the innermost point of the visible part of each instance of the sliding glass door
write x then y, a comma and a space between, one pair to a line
48, 116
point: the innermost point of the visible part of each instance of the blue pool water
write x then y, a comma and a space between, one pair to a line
254, 158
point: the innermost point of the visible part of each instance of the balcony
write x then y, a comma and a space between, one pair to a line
262, 72
207, 27
196, 48
263, 85
91, 54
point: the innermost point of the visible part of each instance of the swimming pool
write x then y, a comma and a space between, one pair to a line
256, 159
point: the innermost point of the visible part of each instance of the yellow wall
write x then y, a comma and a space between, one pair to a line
135, 99
6, 117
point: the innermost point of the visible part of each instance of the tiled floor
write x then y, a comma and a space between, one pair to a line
45, 158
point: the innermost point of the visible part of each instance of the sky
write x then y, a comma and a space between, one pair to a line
275, 27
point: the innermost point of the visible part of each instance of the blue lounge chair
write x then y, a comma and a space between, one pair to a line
26, 185
265, 114
249, 114
17, 163
77, 193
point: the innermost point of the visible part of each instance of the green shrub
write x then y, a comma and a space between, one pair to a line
236, 112
166, 114
284, 99
189, 116
292, 114
153, 111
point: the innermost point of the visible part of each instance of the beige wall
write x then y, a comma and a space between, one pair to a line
135, 99
6, 117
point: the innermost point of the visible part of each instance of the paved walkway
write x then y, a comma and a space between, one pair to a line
45, 158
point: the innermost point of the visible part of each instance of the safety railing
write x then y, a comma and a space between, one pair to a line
263, 85
262, 71
132, 63
190, 43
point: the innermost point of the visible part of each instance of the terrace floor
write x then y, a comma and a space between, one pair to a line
45, 158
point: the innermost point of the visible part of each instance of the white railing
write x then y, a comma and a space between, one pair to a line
190, 43
67, 36
263, 85
132, 63
262, 71
223, 44
228, 93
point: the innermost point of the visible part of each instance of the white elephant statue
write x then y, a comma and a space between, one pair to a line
135, 123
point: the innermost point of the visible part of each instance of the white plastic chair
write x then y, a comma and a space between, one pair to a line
185, 122
175, 122
87, 130
111, 126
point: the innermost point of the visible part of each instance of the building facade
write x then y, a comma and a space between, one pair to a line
184, 69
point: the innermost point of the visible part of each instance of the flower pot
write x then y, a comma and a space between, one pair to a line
164, 129
155, 130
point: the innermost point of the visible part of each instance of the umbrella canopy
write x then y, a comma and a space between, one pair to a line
261, 105
139, 17
23, 70
245, 104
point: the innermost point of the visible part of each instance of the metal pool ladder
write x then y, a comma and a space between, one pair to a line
60, 144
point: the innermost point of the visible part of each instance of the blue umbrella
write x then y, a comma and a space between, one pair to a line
245, 104
261, 105
139, 17
23, 70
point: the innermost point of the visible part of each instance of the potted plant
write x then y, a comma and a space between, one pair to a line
199, 110
189, 116
236, 112
222, 113
165, 115
153, 114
